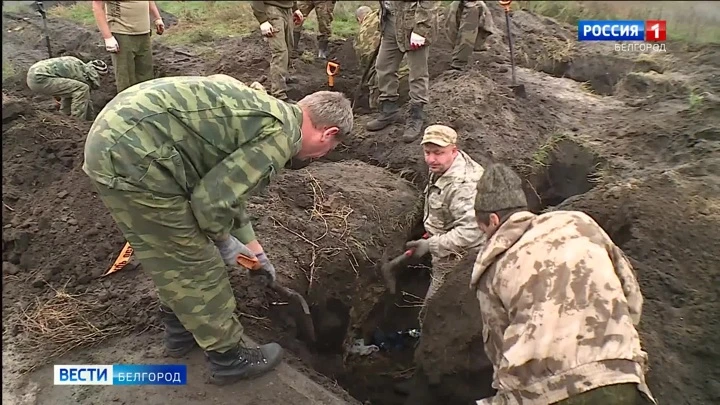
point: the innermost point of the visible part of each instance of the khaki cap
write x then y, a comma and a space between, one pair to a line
440, 135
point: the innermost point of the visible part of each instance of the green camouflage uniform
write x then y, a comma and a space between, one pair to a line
68, 78
279, 14
366, 42
464, 21
398, 19
175, 160
323, 11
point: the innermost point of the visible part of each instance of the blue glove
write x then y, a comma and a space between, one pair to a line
267, 271
231, 248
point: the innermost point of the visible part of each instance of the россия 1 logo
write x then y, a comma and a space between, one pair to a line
622, 30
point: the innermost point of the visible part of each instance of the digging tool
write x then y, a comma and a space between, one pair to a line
43, 14
518, 89
388, 269
366, 75
304, 321
332, 69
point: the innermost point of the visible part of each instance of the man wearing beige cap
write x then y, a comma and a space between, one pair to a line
559, 303
449, 197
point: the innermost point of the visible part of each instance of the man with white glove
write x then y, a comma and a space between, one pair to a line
408, 28
126, 30
276, 19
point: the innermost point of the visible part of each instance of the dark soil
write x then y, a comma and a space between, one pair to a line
643, 162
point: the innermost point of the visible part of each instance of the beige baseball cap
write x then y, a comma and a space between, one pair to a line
440, 135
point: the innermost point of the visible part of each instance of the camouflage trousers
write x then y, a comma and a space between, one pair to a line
464, 26
616, 394
183, 263
281, 44
74, 95
388, 62
440, 270
133, 63
324, 12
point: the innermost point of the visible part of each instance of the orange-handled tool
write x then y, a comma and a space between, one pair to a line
332, 70
505, 4
302, 310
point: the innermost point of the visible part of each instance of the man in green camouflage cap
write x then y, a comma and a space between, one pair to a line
366, 43
560, 303
69, 79
175, 160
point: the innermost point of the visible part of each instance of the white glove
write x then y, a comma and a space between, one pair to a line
159, 26
111, 45
416, 41
267, 29
298, 17
231, 248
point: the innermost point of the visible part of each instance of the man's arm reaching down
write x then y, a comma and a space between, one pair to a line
220, 197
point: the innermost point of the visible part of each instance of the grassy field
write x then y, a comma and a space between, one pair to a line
697, 21
201, 21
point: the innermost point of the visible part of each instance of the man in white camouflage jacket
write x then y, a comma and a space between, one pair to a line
559, 303
449, 205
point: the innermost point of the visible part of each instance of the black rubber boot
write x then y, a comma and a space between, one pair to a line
322, 48
389, 113
243, 363
414, 123
178, 341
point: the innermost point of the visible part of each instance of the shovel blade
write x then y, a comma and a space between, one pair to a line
301, 310
519, 90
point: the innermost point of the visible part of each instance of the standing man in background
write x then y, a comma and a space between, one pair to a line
125, 27
324, 12
408, 28
276, 19
465, 18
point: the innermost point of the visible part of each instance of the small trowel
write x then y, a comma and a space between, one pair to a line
388, 269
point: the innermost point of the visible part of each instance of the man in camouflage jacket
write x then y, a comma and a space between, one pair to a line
366, 43
449, 199
69, 79
559, 302
408, 29
464, 20
175, 160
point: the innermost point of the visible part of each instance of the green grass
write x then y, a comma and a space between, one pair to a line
202, 21
697, 22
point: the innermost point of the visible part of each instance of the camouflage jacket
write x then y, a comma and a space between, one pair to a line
420, 17
66, 67
212, 139
258, 7
367, 41
449, 209
559, 304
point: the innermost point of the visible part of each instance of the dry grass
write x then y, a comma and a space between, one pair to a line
63, 323
697, 21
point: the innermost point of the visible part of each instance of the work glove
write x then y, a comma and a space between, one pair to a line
298, 17
420, 247
267, 29
111, 45
266, 273
416, 41
159, 26
231, 248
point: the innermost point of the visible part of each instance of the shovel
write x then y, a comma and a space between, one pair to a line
297, 302
388, 269
518, 89
332, 69
43, 14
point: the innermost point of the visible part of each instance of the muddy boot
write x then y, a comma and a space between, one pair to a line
414, 123
322, 48
178, 341
296, 42
243, 363
389, 114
